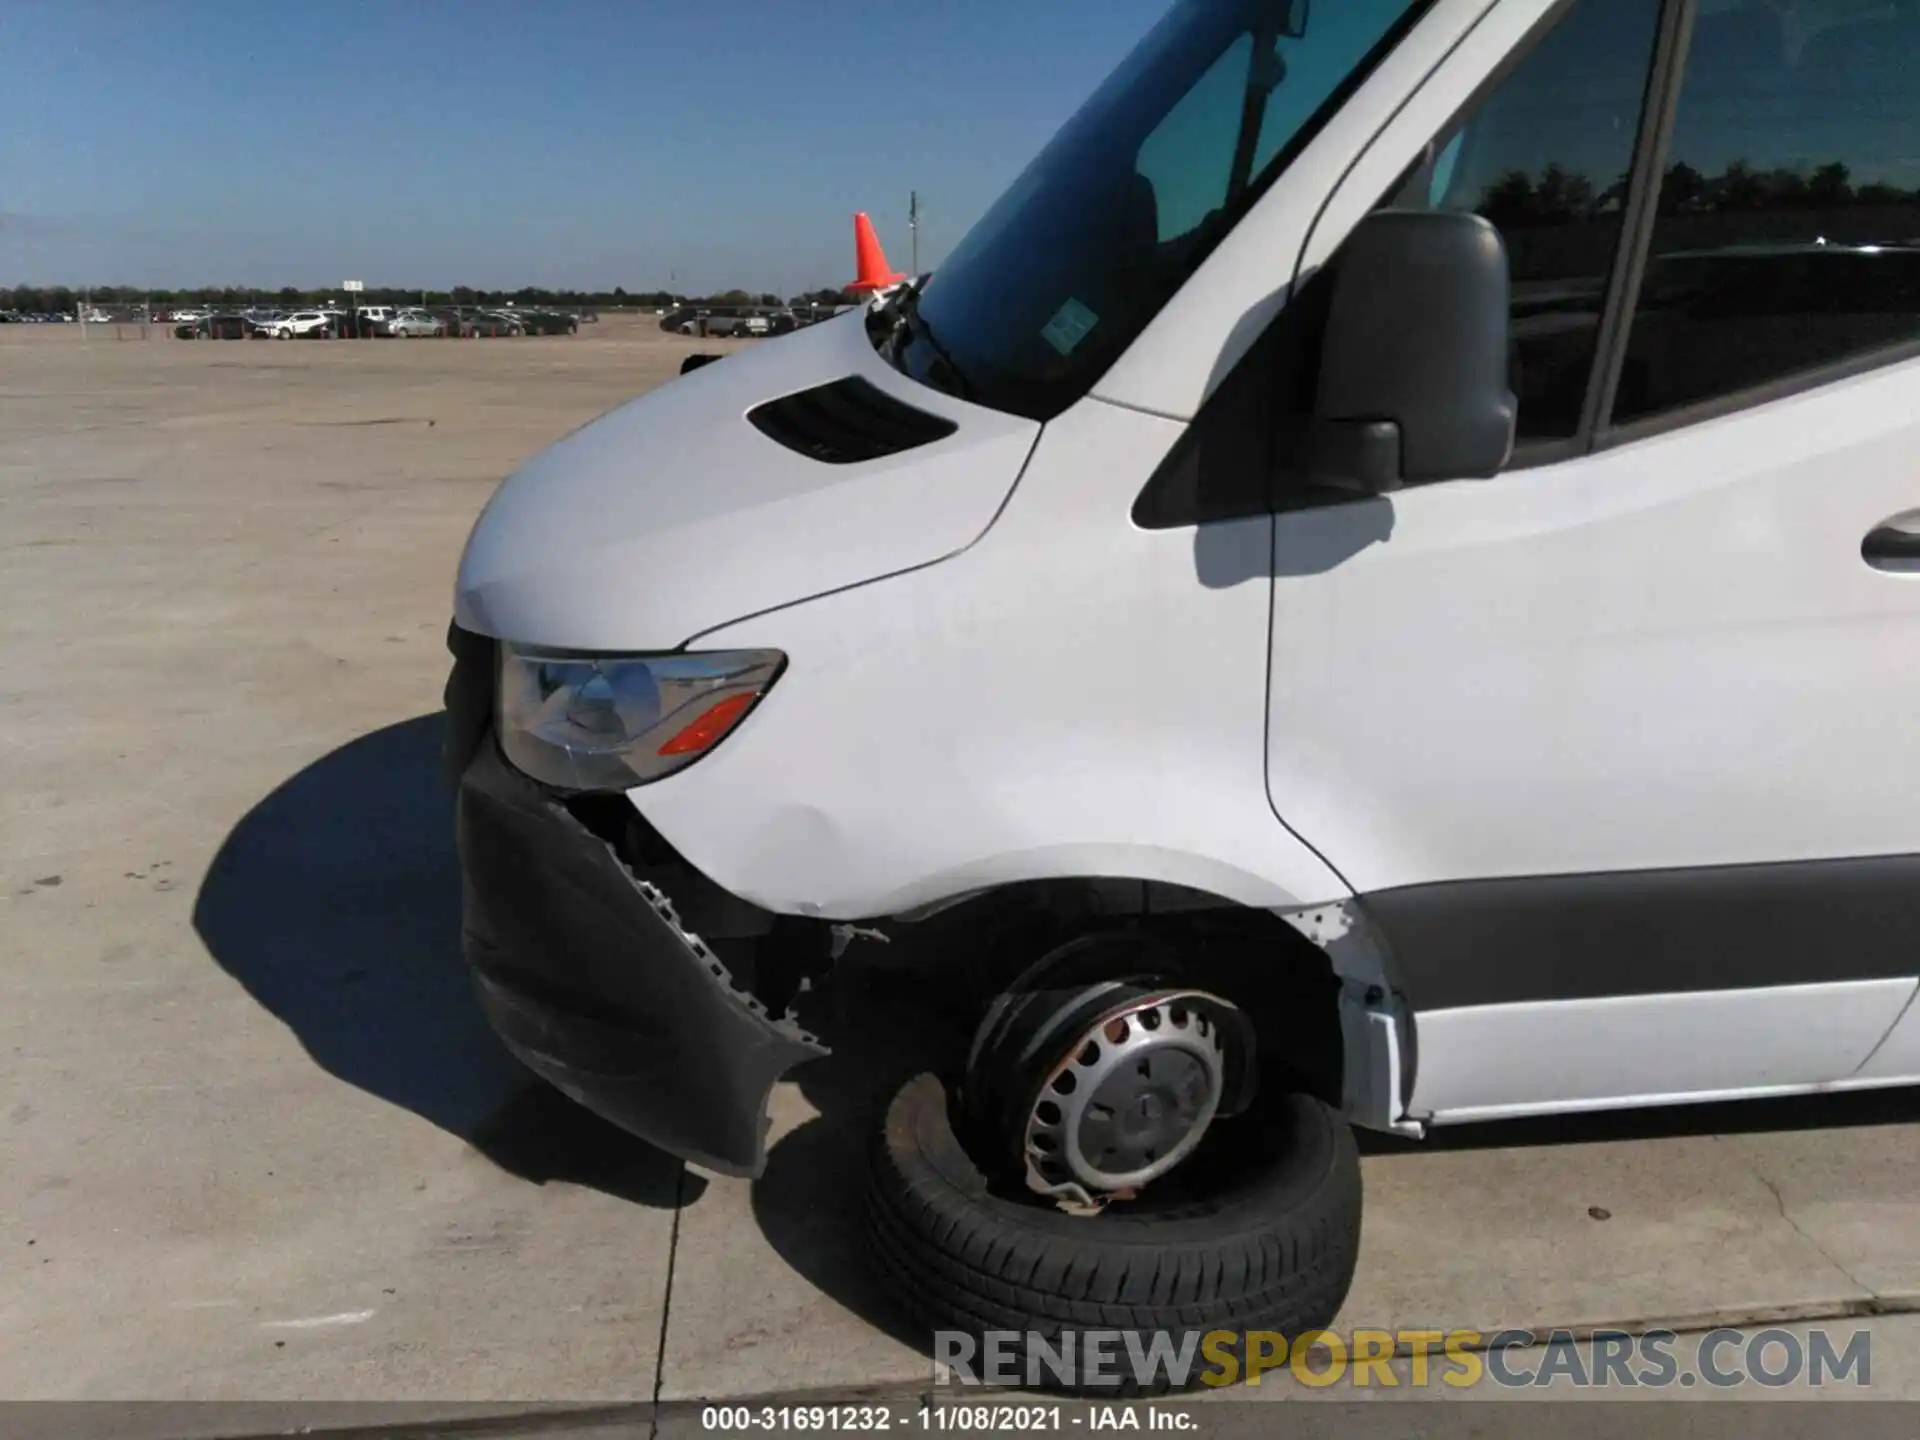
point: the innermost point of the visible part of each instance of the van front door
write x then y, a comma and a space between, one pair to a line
1619, 747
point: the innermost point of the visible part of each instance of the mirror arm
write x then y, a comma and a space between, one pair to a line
1358, 455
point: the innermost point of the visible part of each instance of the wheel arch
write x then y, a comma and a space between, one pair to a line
1313, 979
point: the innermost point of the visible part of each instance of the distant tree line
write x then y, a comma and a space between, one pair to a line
53, 298
1559, 224
1558, 196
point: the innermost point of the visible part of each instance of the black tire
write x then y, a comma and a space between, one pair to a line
1263, 1235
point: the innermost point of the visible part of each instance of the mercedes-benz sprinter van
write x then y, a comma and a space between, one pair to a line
1379, 585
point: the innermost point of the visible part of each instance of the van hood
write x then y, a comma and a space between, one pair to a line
675, 514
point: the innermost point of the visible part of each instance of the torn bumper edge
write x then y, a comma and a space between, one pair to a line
588, 976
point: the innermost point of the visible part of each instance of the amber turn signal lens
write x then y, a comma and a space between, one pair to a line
716, 721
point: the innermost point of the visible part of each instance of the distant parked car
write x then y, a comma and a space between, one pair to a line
409, 324
689, 321
374, 322
546, 322
303, 325
490, 324
217, 327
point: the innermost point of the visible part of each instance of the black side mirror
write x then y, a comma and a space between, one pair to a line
1413, 369
694, 362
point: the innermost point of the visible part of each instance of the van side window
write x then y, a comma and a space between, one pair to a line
1787, 235
1546, 156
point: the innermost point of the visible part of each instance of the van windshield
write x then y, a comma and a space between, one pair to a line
1094, 237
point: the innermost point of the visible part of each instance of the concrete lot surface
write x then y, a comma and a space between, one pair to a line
255, 1142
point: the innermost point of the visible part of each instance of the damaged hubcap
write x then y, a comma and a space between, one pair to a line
1093, 1091
1133, 1098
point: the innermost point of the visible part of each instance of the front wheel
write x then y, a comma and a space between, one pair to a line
1258, 1231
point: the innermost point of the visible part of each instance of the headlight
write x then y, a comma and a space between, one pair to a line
610, 722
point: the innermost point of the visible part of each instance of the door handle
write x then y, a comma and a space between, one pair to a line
1892, 547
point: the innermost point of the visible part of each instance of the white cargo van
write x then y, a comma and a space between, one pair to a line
1379, 585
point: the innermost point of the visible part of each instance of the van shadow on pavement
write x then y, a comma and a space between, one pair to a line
810, 1204
336, 902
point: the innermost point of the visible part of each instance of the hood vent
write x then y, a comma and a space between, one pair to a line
846, 422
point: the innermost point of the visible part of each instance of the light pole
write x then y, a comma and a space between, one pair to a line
913, 228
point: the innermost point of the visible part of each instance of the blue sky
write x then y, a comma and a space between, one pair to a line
508, 142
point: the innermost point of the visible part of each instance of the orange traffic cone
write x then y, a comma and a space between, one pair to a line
870, 261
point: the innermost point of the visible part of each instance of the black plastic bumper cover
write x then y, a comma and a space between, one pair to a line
590, 979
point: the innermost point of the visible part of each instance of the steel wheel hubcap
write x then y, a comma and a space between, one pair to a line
1132, 1098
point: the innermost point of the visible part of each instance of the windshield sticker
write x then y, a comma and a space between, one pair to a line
1069, 326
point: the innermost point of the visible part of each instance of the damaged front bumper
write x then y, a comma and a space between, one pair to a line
588, 974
